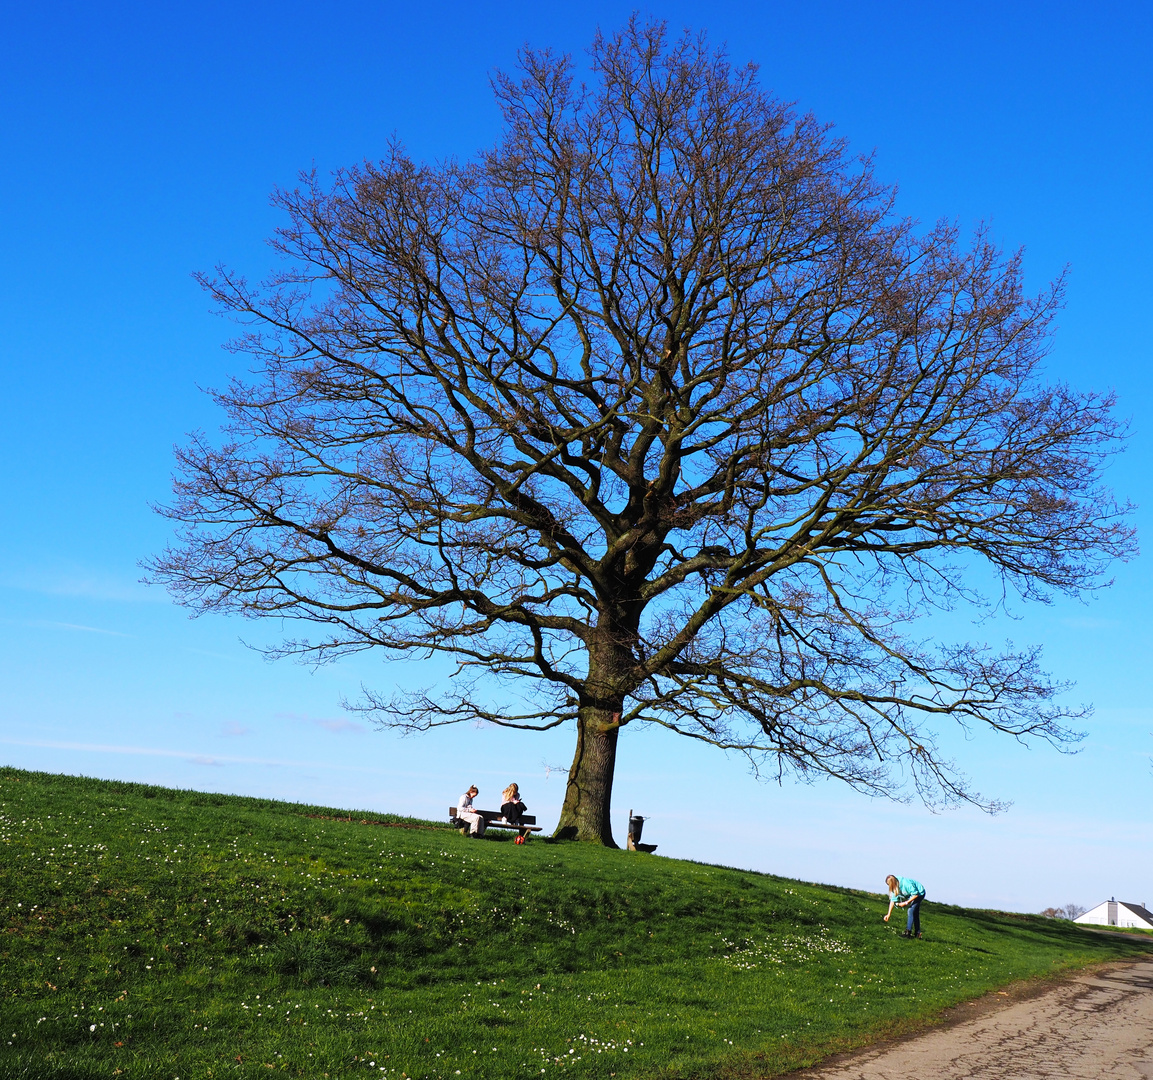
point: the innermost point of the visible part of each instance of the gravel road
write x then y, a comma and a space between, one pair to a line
1095, 1025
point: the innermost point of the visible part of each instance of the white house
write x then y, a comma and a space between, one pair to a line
1115, 913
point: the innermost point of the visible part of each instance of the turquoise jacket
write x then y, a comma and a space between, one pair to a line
907, 887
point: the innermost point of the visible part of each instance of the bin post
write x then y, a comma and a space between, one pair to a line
636, 824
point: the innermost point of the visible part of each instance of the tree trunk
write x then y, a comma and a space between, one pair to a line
585, 814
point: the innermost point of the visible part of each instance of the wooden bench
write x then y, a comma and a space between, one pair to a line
493, 819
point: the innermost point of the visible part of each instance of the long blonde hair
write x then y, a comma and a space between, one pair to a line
511, 794
892, 882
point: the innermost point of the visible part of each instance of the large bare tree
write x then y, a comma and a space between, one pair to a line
657, 413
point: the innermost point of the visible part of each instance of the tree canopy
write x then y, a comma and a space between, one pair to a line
654, 412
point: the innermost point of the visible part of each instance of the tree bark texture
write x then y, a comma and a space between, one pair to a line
588, 795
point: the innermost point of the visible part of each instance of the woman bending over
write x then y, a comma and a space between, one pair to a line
908, 893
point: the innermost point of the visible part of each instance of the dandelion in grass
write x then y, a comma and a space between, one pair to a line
747, 954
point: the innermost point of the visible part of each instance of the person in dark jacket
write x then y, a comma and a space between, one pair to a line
511, 807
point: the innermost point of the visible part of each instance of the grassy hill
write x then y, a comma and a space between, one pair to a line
156, 933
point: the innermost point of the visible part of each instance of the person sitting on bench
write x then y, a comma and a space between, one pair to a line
467, 814
511, 808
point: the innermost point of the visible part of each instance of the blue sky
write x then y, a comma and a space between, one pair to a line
139, 144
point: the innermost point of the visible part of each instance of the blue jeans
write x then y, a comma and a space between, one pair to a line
914, 924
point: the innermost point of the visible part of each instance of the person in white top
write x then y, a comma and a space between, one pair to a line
465, 812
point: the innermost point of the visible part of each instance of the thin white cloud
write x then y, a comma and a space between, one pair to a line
233, 730
48, 624
146, 751
201, 758
83, 584
338, 726
209, 652
341, 727
1088, 622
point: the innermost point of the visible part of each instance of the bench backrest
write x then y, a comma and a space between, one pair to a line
495, 815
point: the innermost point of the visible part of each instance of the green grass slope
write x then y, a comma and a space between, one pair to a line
155, 933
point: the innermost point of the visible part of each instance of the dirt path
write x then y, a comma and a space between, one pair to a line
1096, 1025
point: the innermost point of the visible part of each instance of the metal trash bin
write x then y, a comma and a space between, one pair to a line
636, 825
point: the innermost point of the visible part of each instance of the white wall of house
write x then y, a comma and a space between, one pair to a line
1098, 916
1114, 913
1127, 917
